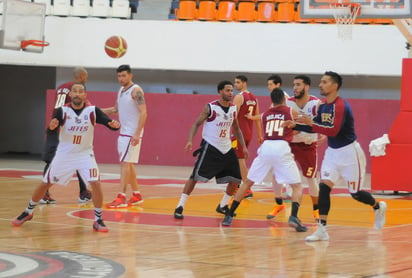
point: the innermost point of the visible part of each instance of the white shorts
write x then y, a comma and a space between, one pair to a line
127, 152
348, 163
275, 155
63, 166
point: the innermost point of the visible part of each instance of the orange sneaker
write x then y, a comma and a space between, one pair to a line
119, 202
275, 210
248, 194
135, 199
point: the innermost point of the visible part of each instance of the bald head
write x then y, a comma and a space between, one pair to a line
80, 75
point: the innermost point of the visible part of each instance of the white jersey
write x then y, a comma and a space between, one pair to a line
128, 112
309, 109
216, 129
77, 131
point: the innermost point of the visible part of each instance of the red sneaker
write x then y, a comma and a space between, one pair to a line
135, 199
23, 217
119, 202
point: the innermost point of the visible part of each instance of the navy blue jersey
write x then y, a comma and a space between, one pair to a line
334, 120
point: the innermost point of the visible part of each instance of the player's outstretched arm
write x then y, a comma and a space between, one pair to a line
102, 118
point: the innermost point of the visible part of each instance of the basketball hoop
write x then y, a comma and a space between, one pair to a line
38, 43
345, 15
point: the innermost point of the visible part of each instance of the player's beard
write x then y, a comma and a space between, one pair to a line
300, 95
77, 101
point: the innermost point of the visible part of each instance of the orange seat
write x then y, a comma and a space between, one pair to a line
285, 11
207, 10
265, 11
226, 10
186, 10
297, 15
386, 21
246, 11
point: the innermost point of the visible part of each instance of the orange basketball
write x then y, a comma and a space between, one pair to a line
115, 46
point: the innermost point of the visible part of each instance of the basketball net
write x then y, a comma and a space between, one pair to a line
345, 15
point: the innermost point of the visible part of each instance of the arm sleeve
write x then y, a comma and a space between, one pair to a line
330, 127
102, 118
305, 128
58, 114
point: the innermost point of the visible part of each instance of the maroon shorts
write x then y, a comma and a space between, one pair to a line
238, 148
307, 158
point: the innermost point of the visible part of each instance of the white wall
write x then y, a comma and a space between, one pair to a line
209, 46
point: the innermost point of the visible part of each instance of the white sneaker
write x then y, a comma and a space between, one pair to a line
380, 216
319, 234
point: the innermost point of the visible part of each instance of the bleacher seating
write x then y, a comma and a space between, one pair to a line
80, 8
246, 11
100, 8
226, 10
121, 9
279, 11
206, 10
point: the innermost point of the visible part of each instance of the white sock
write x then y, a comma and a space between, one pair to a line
30, 208
97, 213
182, 200
225, 199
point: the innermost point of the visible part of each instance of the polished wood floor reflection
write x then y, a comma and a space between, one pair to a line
145, 241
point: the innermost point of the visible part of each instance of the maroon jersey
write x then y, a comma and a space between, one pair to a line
272, 121
248, 107
63, 94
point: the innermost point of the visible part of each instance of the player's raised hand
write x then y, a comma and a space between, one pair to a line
54, 123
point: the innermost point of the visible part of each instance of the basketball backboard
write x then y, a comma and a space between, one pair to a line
369, 8
21, 21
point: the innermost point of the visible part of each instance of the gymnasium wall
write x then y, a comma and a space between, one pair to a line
218, 47
171, 116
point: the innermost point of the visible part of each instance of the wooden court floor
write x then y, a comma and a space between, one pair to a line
146, 241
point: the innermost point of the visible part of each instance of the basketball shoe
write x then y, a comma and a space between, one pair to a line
319, 235
119, 202
47, 199
248, 194
227, 221
23, 217
85, 196
222, 210
179, 213
380, 216
294, 222
135, 199
275, 210
99, 226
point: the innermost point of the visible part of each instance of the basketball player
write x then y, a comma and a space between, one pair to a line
76, 122
52, 136
131, 106
216, 157
274, 154
303, 145
246, 103
275, 81
344, 157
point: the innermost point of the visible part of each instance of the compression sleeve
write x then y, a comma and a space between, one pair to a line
102, 118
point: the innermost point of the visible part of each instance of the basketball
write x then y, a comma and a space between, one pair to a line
115, 46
